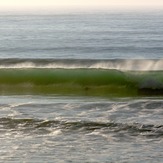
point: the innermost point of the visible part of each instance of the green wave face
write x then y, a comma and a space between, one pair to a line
80, 82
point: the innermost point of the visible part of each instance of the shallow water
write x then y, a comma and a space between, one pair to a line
79, 129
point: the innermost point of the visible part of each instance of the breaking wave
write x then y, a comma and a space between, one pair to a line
118, 64
83, 77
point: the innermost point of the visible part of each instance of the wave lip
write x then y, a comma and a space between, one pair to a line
118, 64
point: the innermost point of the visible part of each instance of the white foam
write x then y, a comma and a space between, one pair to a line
126, 64
55, 132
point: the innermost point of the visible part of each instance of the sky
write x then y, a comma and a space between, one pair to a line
78, 4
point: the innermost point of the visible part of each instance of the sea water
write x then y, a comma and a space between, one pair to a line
81, 87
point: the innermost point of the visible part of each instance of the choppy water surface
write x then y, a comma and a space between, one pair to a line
79, 129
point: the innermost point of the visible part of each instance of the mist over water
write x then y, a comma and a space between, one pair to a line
118, 64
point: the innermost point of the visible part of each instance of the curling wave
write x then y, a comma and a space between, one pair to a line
81, 81
84, 77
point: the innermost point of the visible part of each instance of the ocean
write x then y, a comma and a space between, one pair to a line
81, 87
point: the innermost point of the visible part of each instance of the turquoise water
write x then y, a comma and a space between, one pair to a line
81, 87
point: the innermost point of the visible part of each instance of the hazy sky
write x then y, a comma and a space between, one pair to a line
78, 4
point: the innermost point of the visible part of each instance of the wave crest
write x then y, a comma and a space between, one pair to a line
118, 64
